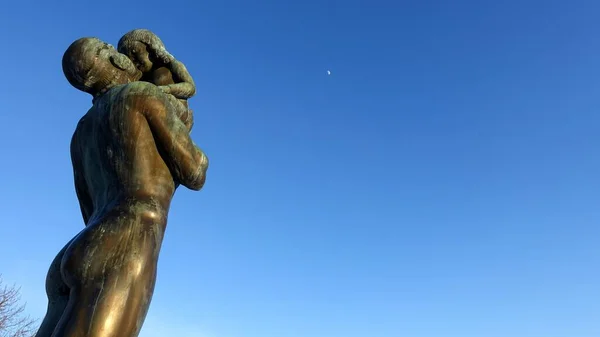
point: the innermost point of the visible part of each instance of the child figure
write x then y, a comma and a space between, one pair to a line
149, 55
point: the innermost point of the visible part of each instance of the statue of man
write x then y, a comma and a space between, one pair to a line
129, 152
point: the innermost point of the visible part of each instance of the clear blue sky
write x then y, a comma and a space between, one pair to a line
442, 182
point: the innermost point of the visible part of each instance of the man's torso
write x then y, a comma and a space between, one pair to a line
117, 153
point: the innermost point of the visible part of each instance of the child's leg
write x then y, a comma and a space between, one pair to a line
185, 114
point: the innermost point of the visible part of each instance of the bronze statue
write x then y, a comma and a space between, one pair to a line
129, 152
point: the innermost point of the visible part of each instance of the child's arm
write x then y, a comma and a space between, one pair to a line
184, 86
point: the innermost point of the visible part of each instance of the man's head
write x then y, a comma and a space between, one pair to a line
93, 66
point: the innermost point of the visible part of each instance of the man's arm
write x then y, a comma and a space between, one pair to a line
184, 86
85, 201
187, 162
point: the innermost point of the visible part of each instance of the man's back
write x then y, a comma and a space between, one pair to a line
115, 154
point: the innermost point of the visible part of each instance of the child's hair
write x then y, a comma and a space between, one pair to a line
138, 35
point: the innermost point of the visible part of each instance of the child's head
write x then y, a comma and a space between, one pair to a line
136, 45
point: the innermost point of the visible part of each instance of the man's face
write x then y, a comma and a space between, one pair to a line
113, 66
93, 66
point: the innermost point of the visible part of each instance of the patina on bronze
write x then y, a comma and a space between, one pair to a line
129, 153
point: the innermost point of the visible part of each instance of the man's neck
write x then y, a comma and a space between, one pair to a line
104, 90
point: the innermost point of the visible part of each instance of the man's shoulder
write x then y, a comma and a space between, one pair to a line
121, 98
132, 90
140, 88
